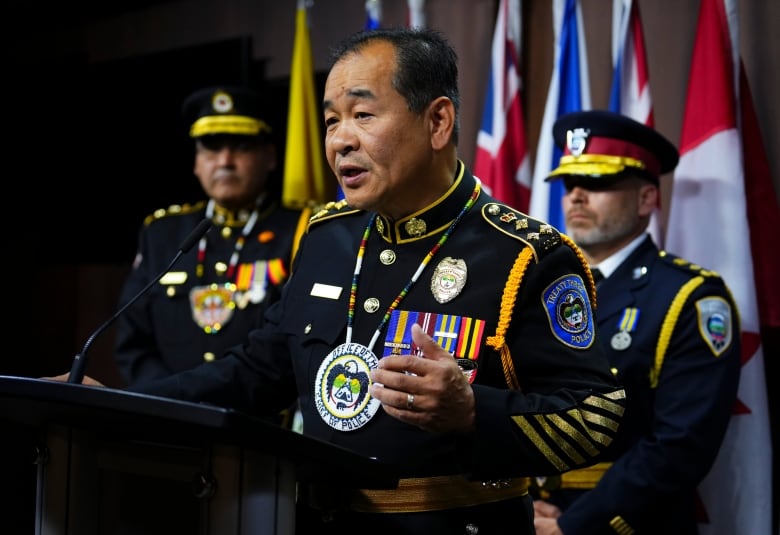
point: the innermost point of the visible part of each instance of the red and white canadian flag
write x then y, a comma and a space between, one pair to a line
722, 208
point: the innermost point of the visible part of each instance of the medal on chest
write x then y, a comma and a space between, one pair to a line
343, 378
621, 340
213, 305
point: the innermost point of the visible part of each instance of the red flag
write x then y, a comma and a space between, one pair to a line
501, 161
763, 213
722, 191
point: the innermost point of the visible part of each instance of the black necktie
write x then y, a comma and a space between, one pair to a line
597, 275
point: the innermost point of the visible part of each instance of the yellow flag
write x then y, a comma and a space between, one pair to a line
306, 176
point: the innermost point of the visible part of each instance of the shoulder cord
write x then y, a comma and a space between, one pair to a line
670, 320
498, 341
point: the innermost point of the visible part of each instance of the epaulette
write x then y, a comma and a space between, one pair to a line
685, 265
174, 209
332, 209
539, 236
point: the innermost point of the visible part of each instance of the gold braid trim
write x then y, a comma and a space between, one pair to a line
498, 342
591, 285
672, 315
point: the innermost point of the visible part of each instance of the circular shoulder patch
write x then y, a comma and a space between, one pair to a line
569, 312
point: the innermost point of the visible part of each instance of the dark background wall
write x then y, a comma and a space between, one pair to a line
90, 116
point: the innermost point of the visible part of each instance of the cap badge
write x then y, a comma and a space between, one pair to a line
576, 140
222, 102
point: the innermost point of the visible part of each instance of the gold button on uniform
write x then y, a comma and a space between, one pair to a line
371, 305
387, 257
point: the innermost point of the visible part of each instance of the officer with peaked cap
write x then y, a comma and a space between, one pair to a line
216, 292
671, 330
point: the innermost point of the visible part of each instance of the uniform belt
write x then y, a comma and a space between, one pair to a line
436, 493
584, 478
419, 494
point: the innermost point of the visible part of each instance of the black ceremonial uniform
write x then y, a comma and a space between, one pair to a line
183, 321
671, 333
505, 293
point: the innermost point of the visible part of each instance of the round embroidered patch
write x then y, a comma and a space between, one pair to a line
341, 389
568, 310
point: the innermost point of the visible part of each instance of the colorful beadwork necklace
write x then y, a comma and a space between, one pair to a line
240, 241
341, 388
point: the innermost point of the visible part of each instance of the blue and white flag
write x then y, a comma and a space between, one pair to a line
630, 94
373, 14
569, 91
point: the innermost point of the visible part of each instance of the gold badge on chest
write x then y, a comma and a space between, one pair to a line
448, 279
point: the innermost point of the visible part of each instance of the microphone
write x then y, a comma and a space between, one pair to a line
80, 361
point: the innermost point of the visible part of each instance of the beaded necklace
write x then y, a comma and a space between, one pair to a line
240, 241
412, 281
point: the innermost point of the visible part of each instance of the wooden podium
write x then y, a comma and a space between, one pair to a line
117, 462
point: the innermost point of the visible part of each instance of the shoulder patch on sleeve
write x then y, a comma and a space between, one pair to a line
174, 209
541, 237
569, 312
331, 210
715, 323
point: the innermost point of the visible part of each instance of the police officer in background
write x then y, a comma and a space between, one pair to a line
671, 331
216, 293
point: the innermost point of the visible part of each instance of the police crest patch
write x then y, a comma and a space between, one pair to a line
212, 306
714, 315
341, 388
569, 312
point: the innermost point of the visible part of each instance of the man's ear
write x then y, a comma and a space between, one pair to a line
648, 199
441, 114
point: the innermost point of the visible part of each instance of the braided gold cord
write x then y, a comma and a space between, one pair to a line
498, 341
591, 285
672, 315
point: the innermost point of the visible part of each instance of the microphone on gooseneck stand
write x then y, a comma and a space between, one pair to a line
80, 361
